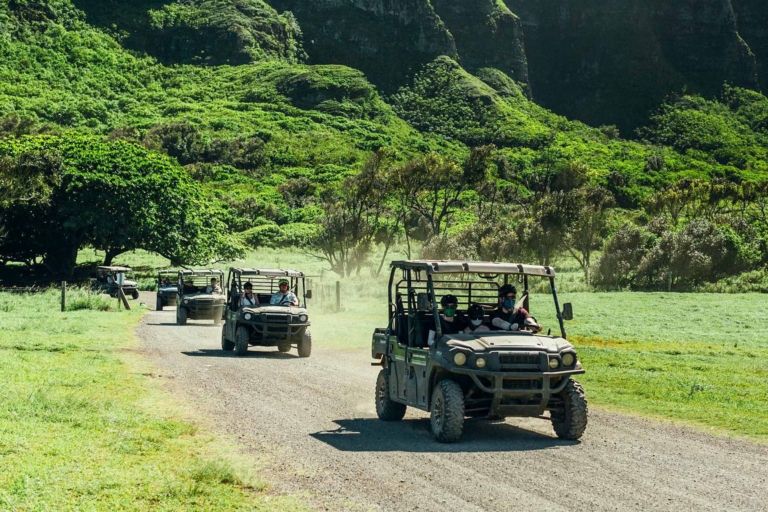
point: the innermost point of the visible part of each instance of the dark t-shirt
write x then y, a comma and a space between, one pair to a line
517, 318
455, 327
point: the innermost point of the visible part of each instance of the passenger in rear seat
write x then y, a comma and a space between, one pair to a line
451, 321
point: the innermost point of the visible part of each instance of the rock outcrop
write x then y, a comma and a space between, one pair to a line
389, 40
612, 61
487, 34
752, 19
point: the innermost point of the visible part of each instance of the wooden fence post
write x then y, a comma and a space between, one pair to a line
338, 295
121, 297
63, 296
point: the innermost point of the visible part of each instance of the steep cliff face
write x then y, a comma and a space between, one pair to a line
611, 61
388, 40
752, 17
200, 31
487, 34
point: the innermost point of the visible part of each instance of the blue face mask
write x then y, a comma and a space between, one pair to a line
509, 303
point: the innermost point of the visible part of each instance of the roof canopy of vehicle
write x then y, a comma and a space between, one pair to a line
203, 272
474, 267
268, 272
114, 269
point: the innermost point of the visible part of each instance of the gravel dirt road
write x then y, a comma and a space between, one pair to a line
315, 420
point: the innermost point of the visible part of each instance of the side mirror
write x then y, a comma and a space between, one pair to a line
567, 311
308, 294
423, 303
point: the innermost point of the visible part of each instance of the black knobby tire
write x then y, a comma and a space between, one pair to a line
571, 422
386, 408
135, 294
305, 344
159, 304
181, 316
225, 343
447, 414
284, 348
242, 337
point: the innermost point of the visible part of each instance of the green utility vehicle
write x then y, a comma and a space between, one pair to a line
167, 289
197, 298
108, 279
482, 371
255, 319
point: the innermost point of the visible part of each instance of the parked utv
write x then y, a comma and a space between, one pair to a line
482, 371
167, 289
197, 298
257, 320
106, 281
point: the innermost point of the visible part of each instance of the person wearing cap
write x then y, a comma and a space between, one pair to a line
249, 299
508, 317
476, 315
214, 287
451, 322
285, 297
189, 287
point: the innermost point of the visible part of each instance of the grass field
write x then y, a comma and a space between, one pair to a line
696, 358
82, 426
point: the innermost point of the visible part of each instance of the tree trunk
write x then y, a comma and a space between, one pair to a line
669, 282
111, 255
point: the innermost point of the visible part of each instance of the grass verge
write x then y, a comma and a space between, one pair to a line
81, 429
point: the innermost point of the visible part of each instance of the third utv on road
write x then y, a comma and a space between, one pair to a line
196, 301
265, 324
485, 373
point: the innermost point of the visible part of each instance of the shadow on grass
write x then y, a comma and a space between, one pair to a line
374, 435
254, 354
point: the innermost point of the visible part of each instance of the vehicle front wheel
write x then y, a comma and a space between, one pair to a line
386, 408
305, 344
135, 294
284, 348
447, 415
225, 343
571, 422
242, 337
181, 316
159, 304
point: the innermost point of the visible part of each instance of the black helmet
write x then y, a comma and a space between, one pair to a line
448, 299
475, 311
507, 288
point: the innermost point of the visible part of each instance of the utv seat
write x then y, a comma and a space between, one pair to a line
264, 298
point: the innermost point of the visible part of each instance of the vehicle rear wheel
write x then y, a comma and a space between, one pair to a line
571, 422
447, 415
305, 344
135, 294
284, 348
181, 316
386, 408
242, 337
159, 304
225, 343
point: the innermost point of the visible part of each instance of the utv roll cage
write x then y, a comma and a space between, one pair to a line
414, 299
265, 284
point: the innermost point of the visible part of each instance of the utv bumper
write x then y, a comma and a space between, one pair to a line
270, 334
520, 393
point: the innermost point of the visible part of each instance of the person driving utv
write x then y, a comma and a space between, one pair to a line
284, 297
510, 318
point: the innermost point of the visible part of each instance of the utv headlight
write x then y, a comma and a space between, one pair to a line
460, 358
303, 318
186, 301
554, 363
568, 359
247, 316
480, 362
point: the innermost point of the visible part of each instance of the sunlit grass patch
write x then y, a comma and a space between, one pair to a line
79, 430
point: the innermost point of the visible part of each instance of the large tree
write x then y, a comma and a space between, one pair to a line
115, 196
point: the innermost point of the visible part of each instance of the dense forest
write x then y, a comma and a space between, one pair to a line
631, 136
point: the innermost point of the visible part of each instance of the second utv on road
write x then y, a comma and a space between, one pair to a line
197, 300
484, 370
264, 324
167, 289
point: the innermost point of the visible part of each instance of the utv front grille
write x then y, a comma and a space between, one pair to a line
522, 384
519, 359
276, 319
